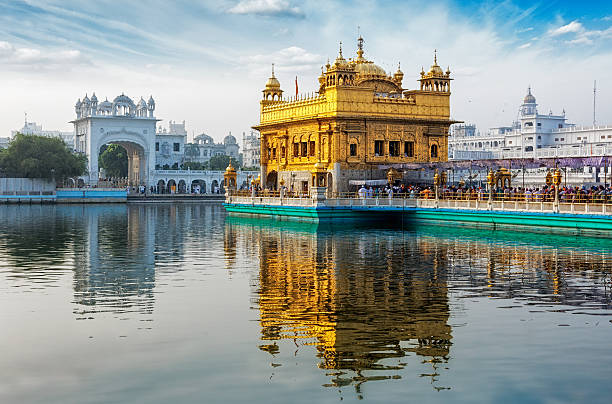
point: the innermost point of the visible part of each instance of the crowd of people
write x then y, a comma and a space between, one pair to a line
529, 194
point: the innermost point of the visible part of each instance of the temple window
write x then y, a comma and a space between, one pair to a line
273, 153
353, 149
378, 147
177, 147
304, 149
434, 151
156, 146
409, 149
283, 151
296, 150
394, 148
312, 148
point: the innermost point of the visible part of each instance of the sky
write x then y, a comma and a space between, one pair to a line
206, 62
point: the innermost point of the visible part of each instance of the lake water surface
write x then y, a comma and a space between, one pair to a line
182, 303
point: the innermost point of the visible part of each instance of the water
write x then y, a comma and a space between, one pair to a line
181, 303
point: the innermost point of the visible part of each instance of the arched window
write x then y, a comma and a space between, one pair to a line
434, 151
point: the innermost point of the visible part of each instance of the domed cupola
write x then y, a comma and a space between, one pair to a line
435, 79
399, 75
94, 99
529, 106
529, 98
273, 91
77, 108
229, 139
340, 73
105, 107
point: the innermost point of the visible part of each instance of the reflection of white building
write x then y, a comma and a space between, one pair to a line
251, 150
31, 128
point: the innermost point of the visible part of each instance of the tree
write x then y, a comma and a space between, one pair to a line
114, 160
192, 165
33, 156
219, 163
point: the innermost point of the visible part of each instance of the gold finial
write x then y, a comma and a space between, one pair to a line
340, 48
272, 69
435, 56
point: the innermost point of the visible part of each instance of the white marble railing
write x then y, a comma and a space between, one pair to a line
474, 204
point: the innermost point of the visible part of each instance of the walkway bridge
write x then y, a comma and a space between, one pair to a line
519, 210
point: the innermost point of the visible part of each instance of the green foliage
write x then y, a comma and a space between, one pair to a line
114, 160
33, 156
193, 165
219, 163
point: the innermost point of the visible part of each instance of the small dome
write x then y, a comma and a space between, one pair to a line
229, 139
203, 139
435, 70
272, 83
105, 106
78, 103
123, 99
369, 69
94, 98
86, 99
529, 98
151, 102
142, 103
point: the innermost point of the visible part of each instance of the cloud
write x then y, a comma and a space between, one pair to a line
292, 58
582, 36
525, 45
280, 8
573, 26
37, 59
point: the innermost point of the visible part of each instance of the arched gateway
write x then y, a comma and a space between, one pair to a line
121, 122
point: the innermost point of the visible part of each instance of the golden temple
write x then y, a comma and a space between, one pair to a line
359, 122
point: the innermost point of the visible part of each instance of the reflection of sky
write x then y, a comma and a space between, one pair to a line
510, 341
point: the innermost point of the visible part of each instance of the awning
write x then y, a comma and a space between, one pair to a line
368, 182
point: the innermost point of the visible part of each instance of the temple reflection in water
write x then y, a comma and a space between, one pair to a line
369, 299
351, 295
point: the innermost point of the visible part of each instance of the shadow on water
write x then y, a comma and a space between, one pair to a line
373, 297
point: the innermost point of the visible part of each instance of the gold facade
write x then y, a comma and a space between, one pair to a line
360, 120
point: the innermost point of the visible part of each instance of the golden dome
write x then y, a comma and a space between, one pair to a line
340, 60
435, 70
369, 69
230, 168
272, 83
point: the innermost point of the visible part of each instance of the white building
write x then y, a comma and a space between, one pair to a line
534, 136
170, 146
251, 150
204, 147
31, 128
154, 157
119, 122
